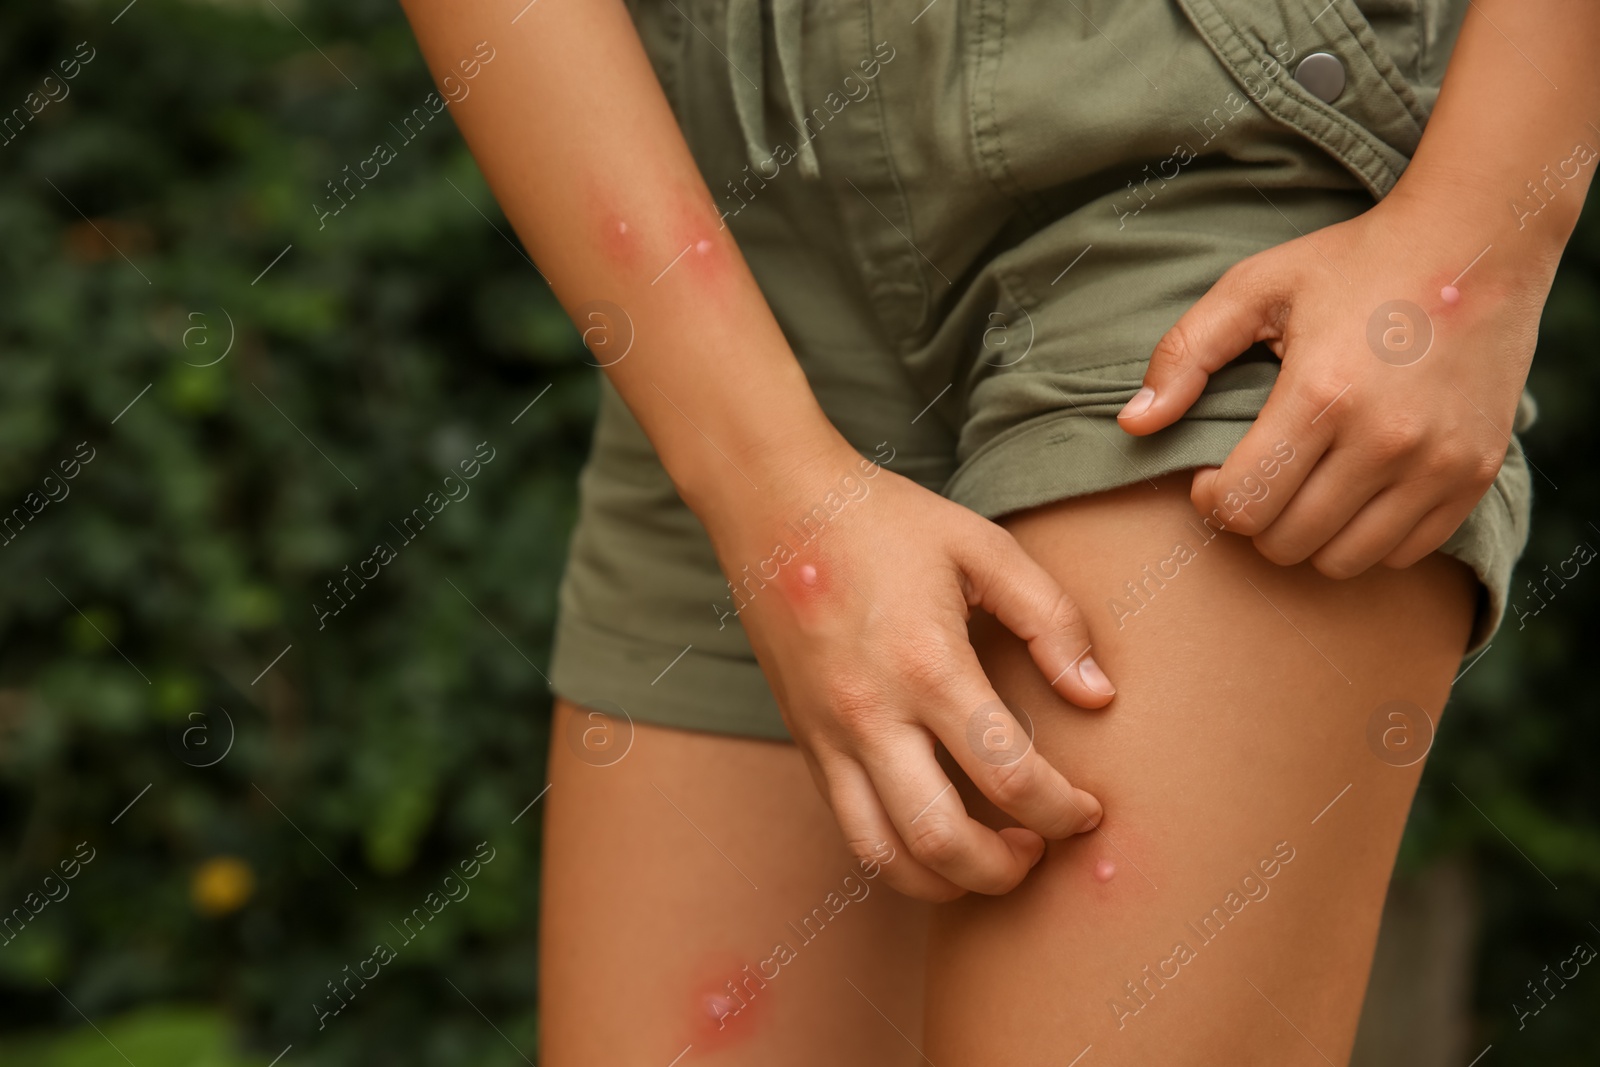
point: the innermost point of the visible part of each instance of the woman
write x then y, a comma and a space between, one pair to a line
876, 290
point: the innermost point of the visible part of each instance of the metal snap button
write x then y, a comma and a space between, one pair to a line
1322, 75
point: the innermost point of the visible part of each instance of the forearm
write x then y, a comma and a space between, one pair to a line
584, 155
1511, 148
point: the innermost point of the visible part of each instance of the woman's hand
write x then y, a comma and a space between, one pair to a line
1402, 365
855, 586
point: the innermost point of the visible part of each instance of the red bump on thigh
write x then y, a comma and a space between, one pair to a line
728, 999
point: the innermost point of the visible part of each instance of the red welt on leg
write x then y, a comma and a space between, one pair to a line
727, 1004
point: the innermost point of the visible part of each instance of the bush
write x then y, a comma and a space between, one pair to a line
264, 394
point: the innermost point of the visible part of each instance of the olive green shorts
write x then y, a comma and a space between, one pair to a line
973, 220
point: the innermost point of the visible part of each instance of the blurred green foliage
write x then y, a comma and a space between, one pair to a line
378, 351
1511, 780
172, 1037
162, 213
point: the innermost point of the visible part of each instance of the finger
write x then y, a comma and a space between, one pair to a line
997, 752
1274, 458
1376, 530
869, 832
1243, 307
1009, 584
925, 808
1437, 527
1342, 482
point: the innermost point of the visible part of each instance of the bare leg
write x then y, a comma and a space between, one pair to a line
669, 872
1250, 828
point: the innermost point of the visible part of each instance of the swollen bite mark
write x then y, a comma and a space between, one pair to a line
710, 261
698, 232
804, 587
717, 1008
1450, 295
727, 1002
1104, 871
618, 241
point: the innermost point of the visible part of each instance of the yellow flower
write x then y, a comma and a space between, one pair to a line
222, 884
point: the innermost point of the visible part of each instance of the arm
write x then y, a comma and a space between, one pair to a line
1402, 452
869, 662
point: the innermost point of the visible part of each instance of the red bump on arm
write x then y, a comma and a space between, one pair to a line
614, 230
690, 242
706, 243
618, 240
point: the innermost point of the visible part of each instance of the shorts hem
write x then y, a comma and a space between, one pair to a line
1047, 461
1057, 458
594, 665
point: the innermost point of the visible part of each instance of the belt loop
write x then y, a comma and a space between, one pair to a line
745, 59
746, 45
788, 25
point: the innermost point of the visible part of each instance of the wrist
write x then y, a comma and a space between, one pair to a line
1474, 235
749, 459
803, 499
799, 489
1496, 229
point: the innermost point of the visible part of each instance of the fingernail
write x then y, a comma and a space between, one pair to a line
1094, 677
1139, 404
1092, 811
1040, 856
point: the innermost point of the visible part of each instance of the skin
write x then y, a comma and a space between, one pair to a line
880, 689
1232, 737
637, 933
749, 449
1232, 733
1399, 455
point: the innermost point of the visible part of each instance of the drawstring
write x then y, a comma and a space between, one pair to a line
746, 48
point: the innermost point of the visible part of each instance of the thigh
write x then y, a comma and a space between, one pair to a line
699, 902
1226, 909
